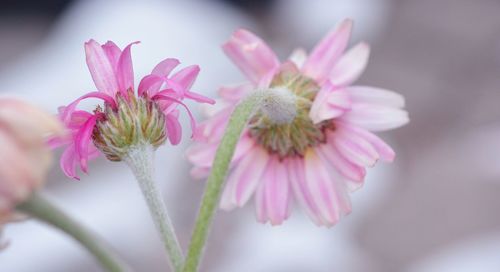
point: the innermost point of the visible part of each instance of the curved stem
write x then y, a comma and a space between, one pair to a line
140, 159
225, 151
42, 209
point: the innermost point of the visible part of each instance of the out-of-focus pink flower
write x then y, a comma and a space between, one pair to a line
320, 156
25, 157
150, 116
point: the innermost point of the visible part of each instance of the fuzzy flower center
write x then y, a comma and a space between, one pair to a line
294, 137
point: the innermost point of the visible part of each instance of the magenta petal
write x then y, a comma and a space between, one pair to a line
69, 162
113, 52
186, 77
150, 84
83, 139
351, 65
165, 67
325, 55
66, 112
174, 128
125, 70
252, 55
163, 95
101, 68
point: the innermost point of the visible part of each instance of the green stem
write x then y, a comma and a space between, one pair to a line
225, 151
140, 159
42, 209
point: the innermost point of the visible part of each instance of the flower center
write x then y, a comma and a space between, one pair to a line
291, 138
137, 120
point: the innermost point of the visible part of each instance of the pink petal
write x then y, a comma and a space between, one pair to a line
237, 92
66, 112
374, 117
349, 170
150, 84
371, 95
69, 162
277, 191
202, 155
186, 76
354, 148
329, 103
212, 129
385, 152
113, 52
296, 174
82, 141
246, 176
351, 65
125, 70
260, 204
101, 68
162, 95
252, 55
165, 67
174, 128
17, 173
199, 172
329, 194
199, 98
325, 55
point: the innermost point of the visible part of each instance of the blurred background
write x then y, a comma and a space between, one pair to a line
434, 209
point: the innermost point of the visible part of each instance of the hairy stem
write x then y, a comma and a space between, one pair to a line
225, 151
43, 210
140, 159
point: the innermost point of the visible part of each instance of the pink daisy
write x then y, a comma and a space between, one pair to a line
322, 154
126, 119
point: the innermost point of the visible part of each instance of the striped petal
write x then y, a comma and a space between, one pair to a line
101, 68
325, 55
329, 103
374, 117
252, 55
351, 65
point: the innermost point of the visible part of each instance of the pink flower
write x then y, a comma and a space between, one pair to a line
319, 157
151, 116
25, 157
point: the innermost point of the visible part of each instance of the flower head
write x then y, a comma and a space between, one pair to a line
25, 156
127, 118
320, 154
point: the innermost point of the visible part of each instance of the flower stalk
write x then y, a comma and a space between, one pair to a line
43, 210
140, 159
239, 118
